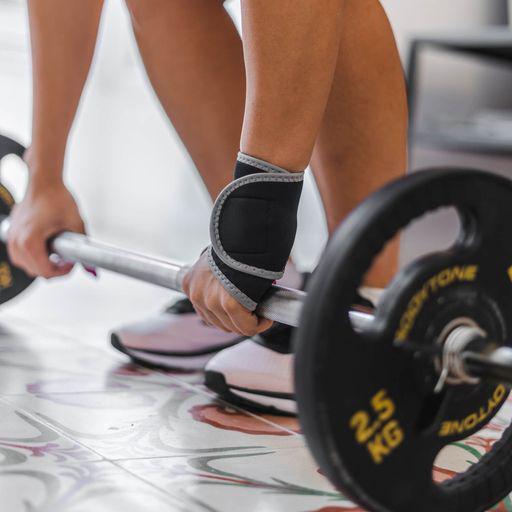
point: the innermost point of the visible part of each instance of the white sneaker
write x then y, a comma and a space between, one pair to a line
175, 339
257, 373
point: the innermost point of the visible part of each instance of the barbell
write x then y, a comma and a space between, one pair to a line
379, 395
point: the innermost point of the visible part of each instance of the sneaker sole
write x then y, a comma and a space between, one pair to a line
162, 362
256, 401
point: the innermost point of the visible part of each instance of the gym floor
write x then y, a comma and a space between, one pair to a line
82, 429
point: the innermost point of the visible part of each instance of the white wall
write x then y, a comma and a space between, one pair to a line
412, 16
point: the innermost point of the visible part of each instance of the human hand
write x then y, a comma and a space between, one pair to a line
216, 306
46, 210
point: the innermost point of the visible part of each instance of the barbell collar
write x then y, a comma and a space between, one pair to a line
478, 358
469, 357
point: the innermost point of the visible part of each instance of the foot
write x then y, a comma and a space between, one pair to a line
258, 372
176, 339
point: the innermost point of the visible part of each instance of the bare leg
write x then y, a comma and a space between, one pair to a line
362, 142
193, 56
291, 50
328, 71
63, 37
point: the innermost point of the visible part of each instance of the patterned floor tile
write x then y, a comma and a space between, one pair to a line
26, 440
151, 423
78, 370
82, 308
36, 360
288, 423
288, 479
285, 479
83, 487
271, 480
43, 471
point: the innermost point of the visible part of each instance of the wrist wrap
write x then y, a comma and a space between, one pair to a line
252, 228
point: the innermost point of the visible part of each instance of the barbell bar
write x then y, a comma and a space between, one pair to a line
282, 305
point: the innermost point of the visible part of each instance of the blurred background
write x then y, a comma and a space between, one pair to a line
137, 186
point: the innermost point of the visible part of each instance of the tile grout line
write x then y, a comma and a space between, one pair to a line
34, 416
141, 479
249, 450
101, 460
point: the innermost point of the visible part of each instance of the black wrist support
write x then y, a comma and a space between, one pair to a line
252, 228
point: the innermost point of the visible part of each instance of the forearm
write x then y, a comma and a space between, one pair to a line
291, 49
63, 35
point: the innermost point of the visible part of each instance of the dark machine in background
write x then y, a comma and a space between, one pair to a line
460, 85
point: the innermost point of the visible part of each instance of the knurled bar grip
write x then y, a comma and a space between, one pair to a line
282, 305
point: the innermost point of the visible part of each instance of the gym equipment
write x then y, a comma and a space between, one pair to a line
13, 280
426, 371
379, 396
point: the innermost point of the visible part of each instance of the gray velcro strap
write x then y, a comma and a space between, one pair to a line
235, 292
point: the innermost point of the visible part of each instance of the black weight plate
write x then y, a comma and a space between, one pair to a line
13, 280
366, 406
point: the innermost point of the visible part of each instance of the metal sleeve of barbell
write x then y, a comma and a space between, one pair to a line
282, 304
495, 366
78, 248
